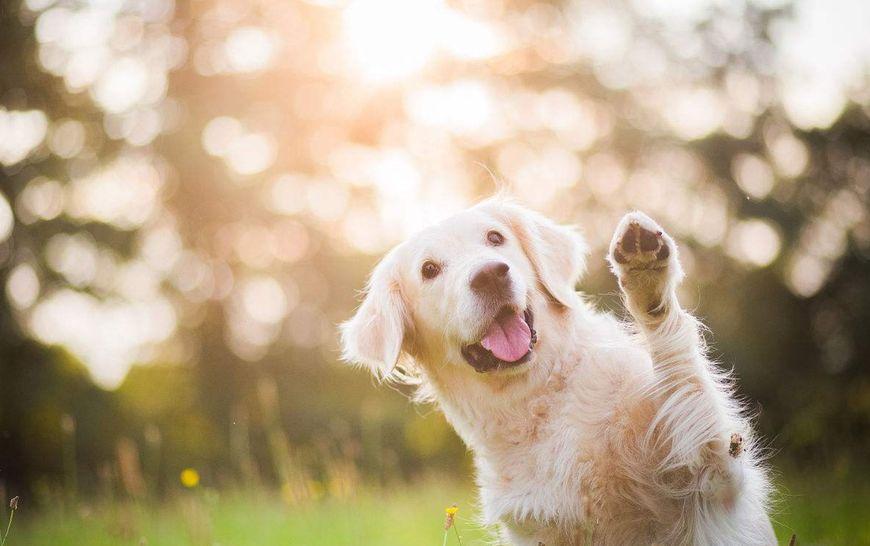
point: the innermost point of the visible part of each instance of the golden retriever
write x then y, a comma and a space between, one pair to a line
584, 430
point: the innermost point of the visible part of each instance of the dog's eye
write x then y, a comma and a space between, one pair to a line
495, 238
430, 270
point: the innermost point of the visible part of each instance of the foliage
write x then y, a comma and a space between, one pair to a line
193, 192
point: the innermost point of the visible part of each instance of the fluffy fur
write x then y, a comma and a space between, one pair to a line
612, 433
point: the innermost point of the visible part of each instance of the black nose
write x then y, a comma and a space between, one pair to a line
491, 279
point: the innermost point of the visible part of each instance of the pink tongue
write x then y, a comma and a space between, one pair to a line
508, 338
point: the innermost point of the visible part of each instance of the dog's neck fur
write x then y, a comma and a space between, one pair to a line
484, 409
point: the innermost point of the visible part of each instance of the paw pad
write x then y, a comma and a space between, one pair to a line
640, 246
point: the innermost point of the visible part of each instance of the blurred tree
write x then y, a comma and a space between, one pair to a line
206, 183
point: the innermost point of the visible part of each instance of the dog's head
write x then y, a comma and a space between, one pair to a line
466, 292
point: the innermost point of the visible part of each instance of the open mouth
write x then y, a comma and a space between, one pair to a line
508, 342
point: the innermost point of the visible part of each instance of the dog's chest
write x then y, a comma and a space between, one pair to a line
535, 464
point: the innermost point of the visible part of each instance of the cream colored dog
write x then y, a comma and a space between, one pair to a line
584, 430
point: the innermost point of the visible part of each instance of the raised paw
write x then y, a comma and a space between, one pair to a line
644, 259
639, 247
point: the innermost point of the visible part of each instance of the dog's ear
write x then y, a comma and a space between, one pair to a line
557, 252
374, 337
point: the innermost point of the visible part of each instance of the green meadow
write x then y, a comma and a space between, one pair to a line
818, 512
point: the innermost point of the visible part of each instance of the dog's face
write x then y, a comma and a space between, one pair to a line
466, 291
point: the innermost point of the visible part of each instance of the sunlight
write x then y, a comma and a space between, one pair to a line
754, 242
41, 199
264, 300
244, 152
392, 39
67, 138
7, 219
219, 134
123, 193
464, 107
249, 49
806, 274
109, 335
823, 54
285, 194
789, 154
694, 113
252, 153
123, 85
22, 286
74, 257
753, 175
21, 132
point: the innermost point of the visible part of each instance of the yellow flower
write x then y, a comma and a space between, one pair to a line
189, 478
450, 512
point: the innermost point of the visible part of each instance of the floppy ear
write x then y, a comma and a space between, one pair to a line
376, 333
557, 253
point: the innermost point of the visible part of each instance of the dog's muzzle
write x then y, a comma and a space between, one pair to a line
508, 342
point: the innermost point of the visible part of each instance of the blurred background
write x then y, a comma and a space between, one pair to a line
193, 192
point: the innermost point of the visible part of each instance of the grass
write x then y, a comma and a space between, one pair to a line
824, 511
402, 516
821, 513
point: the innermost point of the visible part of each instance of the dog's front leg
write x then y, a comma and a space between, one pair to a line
699, 444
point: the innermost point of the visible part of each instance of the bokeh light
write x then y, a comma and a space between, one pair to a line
344, 127
203, 187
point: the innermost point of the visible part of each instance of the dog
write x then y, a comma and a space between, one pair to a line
584, 429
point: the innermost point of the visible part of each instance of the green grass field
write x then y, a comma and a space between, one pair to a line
819, 512
407, 515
